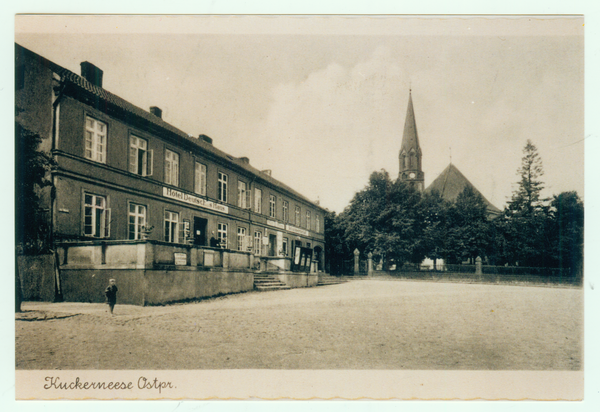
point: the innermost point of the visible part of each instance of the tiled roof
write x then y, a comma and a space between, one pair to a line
451, 182
82, 84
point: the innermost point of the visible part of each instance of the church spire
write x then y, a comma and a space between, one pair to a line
410, 150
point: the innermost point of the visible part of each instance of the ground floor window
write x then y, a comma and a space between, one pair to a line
222, 235
171, 226
241, 237
284, 246
137, 221
257, 242
96, 216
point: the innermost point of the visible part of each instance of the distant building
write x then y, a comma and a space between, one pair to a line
450, 183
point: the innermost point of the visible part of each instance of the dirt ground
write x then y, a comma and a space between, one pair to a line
366, 324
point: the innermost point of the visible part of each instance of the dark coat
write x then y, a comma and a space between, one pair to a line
111, 294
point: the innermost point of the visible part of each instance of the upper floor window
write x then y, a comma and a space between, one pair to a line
200, 179
308, 219
96, 216
286, 207
95, 140
297, 216
171, 168
317, 223
137, 221
222, 189
171, 226
140, 158
272, 206
258, 200
242, 195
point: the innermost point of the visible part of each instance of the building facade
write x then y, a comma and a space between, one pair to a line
123, 173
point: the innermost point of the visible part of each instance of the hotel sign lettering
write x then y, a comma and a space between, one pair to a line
275, 224
193, 200
296, 230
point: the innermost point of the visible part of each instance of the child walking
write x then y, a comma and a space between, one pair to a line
111, 295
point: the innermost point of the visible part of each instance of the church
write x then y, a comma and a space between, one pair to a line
450, 183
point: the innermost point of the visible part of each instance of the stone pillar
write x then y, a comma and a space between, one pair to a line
370, 263
478, 265
356, 262
225, 259
251, 261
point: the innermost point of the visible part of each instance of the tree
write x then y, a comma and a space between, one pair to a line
433, 216
525, 217
566, 232
468, 227
32, 231
383, 219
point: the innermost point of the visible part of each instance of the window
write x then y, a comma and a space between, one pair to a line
272, 206
171, 226
96, 217
284, 246
171, 168
286, 207
222, 195
222, 235
137, 221
200, 181
140, 158
257, 242
317, 223
242, 194
308, 219
297, 216
258, 200
95, 140
241, 236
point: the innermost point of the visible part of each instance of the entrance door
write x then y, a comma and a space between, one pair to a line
200, 231
272, 244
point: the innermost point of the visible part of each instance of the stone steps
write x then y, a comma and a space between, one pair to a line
265, 283
325, 280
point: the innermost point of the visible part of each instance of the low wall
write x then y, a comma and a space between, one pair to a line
297, 279
36, 274
483, 278
88, 285
164, 286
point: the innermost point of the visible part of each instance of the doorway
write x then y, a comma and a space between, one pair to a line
200, 231
272, 244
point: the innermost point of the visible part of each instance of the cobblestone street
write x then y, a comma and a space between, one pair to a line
366, 324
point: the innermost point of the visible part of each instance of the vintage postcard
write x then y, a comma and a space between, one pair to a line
299, 207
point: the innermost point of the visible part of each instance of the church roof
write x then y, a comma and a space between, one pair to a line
410, 138
451, 182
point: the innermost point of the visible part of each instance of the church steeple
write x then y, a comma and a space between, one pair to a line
410, 151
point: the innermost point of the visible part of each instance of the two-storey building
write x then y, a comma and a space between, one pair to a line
124, 173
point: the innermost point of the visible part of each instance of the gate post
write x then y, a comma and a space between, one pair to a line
370, 263
478, 266
356, 262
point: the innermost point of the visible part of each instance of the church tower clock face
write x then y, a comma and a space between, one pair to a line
411, 175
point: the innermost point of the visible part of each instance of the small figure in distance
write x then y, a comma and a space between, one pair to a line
111, 295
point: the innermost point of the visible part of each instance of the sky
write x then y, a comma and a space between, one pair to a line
321, 101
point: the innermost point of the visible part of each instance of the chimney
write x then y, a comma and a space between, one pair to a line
245, 160
205, 138
267, 172
91, 73
156, 111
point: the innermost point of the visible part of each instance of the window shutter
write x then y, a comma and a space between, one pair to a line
107, 220
132, 159
150, 162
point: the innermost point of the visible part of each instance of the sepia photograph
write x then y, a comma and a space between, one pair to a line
299, 207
